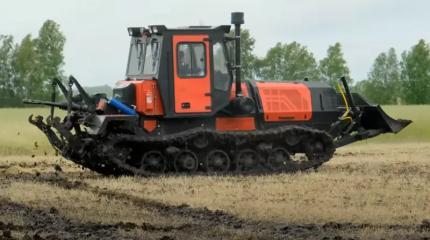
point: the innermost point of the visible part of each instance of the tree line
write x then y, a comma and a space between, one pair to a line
26, 68
389, 81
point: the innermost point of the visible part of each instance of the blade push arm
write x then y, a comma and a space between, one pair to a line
61, 105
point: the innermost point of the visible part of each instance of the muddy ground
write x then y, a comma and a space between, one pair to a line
42, 219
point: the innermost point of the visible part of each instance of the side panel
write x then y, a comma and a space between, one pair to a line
148, 100
235, 123
192, 94
285, 101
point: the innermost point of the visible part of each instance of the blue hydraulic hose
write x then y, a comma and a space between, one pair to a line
121, 106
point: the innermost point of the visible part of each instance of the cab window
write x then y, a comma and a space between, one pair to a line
191, 60
144, 56
221, 74
151, 58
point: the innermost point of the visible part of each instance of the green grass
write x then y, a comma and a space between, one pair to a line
18, 137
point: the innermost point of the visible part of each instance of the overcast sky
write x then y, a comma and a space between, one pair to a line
97, 41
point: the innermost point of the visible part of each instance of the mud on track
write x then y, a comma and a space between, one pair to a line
55, 215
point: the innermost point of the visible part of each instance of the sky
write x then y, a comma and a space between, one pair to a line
97, 41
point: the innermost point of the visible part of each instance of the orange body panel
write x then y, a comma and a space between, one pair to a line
149, 125
195, 90
148, 100
235, 123
285, 101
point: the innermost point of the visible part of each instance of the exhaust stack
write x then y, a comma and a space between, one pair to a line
237, 19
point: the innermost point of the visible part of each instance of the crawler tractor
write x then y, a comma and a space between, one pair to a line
184, 108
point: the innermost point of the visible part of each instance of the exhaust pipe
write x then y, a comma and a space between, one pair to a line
237, 18
240, 104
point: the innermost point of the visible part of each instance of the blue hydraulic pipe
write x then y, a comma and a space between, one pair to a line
121, 106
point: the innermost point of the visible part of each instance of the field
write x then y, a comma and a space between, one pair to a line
377, 189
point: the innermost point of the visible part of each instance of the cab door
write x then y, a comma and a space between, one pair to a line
192, 83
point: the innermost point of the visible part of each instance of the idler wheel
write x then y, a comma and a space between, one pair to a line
217, 161
278, 159
314, 150
186, 161
153, 161
247, 160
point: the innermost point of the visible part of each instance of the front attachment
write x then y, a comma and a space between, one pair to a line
375, 118
81, 135
361, 120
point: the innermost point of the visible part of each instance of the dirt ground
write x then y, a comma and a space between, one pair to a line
368, 191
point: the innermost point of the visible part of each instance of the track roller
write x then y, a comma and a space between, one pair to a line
278, 159
186, 161
217, 161
247, 160
153, 161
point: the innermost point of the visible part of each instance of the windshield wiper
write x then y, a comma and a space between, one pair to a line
154, 53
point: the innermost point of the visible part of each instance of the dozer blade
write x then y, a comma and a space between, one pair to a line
373, 121
375, 118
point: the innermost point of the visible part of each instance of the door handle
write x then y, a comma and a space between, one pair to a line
185, 105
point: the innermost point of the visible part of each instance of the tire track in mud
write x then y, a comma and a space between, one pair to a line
78, 229
203, 219
48, 224
200, 218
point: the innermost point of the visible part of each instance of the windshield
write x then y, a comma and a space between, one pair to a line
144, 56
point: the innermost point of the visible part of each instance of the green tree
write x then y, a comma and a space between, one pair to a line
8, 91
288, 62
416, 74
383, 83
334, 66
49, 58
247, 56
27, 67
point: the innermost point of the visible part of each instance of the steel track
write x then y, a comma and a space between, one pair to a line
120, 152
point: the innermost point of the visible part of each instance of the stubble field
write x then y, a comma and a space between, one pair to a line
378, 189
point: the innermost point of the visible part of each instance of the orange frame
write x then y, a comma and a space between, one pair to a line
235, 123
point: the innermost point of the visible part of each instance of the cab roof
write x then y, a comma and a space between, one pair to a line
159, 29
